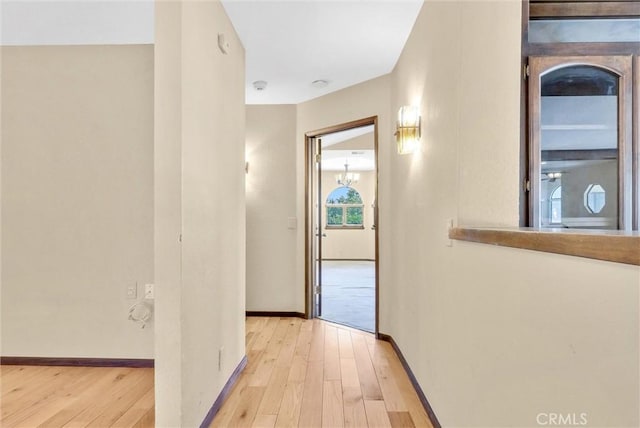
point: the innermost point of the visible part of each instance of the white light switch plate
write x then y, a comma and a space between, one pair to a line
149, 292
292, 222
132, 291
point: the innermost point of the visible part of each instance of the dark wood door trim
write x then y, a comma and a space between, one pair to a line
309, 136
342, 127
584, 9
636, 144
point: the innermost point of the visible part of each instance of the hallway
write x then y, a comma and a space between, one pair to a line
299, 373
311, 373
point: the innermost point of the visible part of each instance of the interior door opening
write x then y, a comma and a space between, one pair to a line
342, 235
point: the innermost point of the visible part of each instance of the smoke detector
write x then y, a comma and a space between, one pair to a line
260, 85
319, 83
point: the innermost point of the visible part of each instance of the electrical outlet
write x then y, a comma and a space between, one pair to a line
149, 292
132, 291
220, 352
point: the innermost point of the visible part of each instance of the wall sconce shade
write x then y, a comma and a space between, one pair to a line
408, 129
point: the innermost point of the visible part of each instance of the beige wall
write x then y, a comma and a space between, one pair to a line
271, 201
274, 143
1, 123
494, 335
77, 199
199, 209
275, 151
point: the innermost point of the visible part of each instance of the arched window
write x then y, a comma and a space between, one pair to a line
555, 206
345, 208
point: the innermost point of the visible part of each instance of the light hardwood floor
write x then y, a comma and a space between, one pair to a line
311, 373
299, 373
39, 396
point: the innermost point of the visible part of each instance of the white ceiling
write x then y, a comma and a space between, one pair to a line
288, 43
564, 166
579, 122
340, 136
291, 43
358, 160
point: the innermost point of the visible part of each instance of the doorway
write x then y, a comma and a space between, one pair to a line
341, 224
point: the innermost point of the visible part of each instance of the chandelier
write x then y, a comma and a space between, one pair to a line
347, 178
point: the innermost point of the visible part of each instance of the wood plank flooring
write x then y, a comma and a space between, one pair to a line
39, 396
311, 373
305, 373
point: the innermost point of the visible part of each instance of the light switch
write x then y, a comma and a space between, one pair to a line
132, 291
292, 222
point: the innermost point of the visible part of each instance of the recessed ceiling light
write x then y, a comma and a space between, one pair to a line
319, 83
260, 85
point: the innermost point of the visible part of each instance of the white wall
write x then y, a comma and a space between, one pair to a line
77, 200
199, 209
494, 335
271, 201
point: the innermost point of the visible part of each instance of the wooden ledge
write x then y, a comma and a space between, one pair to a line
609, 245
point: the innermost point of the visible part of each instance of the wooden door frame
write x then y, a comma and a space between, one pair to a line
636, 141
596, 9
308, 234
621, 65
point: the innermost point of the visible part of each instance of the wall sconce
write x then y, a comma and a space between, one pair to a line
408, 129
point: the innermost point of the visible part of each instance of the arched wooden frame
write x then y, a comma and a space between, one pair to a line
622, 67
